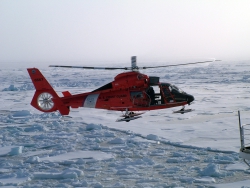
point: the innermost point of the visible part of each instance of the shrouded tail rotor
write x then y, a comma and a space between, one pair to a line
44, 101
45, 98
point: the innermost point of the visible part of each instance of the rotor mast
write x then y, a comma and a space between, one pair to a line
134, 66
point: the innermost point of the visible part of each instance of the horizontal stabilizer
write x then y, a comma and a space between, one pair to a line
66, 94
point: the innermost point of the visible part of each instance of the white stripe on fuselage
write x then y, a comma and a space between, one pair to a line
90, 101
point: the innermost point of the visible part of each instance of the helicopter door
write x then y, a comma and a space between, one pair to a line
140, 98
154, 94
167, 96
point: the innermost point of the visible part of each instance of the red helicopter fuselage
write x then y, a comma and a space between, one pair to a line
130, 91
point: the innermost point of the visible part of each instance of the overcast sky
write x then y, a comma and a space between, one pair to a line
114, 30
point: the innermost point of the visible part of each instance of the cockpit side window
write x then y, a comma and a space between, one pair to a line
167, 94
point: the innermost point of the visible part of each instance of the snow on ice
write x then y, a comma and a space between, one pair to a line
162, 149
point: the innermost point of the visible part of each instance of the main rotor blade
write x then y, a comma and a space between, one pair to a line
129, 68
81, 67
177, 64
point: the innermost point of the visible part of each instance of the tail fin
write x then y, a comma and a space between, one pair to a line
45, 98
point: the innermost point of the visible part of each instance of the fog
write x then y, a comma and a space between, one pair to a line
42, 32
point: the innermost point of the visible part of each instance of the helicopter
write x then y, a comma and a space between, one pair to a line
129, 92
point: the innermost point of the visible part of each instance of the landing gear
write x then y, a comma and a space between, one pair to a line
129, 116
182, 110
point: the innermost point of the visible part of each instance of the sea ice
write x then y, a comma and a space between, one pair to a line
97, 155
214, 170
10, 150
10, 88
67, 173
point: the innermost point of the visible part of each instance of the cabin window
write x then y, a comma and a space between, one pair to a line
136, 94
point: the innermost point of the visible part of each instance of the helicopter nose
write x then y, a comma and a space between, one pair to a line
190, 99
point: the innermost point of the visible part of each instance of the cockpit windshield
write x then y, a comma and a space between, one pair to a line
175, 88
